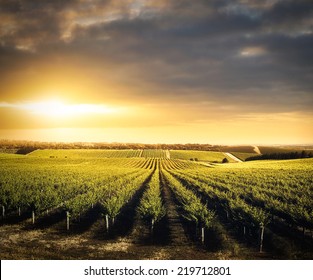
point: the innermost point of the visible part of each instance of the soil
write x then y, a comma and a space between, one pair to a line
20, 241
129, 238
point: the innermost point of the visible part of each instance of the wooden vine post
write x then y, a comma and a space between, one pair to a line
107, 222
68, 220
261, 236
152, 225
202, 235
33, 217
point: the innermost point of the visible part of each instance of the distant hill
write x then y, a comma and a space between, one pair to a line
18, 146
284, 149
238, 149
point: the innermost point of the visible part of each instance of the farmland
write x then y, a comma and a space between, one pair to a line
199, 155
243, 156
153, 204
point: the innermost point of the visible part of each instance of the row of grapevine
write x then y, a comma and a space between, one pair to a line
114, 197
174, 164
24, 188
85, 153
154, 153
129, 153
252, 198
220, 199
81, 203
151, 206
150, 163
291, 200
193, 209
235, 205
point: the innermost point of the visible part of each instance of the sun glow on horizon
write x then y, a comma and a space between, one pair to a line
58, 109
63, 118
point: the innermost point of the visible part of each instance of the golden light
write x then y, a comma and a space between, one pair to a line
57, 109
252, 51
49, 108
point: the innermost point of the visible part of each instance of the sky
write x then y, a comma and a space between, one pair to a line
157, 71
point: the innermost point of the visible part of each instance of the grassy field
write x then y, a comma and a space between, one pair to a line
271, 150
199, 155
103, 190
237, 149
8, 151
88, 153
146, 153
243, 156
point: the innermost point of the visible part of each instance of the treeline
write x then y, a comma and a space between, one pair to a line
23, 147
239, 149
277, 156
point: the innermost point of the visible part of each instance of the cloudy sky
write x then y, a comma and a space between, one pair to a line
157, 71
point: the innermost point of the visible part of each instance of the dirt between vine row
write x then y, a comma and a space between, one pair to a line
129, 239
19, 242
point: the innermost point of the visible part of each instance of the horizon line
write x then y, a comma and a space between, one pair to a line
142, 143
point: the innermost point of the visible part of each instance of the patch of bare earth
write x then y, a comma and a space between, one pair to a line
18, 243
21, 241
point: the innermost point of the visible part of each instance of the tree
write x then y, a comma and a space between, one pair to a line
225, 160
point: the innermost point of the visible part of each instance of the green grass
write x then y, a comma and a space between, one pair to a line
67, 174
237, 149
291, 164
153, 153
85, 153
199, 155
272, 150
9, 156
8, 151
243, 156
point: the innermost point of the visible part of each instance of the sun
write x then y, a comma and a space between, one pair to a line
54, 108
58, 109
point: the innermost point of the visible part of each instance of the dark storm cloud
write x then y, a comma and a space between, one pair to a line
289, 11
215, 50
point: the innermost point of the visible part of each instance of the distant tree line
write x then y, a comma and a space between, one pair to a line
24, 147
291, 155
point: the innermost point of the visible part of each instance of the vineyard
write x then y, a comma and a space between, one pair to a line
200, 155
153, 204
